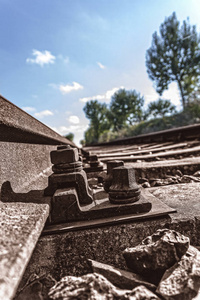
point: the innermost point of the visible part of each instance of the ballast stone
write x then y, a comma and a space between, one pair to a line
121, 278
95, 287
182, 281
156, 253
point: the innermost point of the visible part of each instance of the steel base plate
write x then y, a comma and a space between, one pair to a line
158, 209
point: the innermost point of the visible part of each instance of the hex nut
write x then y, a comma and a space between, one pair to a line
63, 156
124, 188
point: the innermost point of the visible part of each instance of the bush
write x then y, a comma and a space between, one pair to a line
190, 115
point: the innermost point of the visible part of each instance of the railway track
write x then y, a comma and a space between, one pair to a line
175, 134
169, 167
40, 210
160, 158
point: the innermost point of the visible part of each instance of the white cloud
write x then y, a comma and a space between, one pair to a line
172, 94
41, 58
29, 108
72, 128
110, 93
61, 129
43, 113
64, 59
74, 119
69, 88
86, 99
105, 97
101, 66
77, 130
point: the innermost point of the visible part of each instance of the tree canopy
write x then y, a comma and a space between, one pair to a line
161, 108
97, 113
126, 108
174, 55
70, 136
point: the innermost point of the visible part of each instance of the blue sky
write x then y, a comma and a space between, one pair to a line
57, 54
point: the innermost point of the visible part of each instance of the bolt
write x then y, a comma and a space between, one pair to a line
94, 162
113, 164
63, 147
124, 188
93, 158
68, 168
110, 166
64, 154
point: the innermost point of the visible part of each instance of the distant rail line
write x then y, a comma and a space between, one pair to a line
183, 133
170, 156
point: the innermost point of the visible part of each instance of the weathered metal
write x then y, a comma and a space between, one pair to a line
110, 166
66, 160
64, 154
71, 199
21, 227
124, 188
158, 209
18, 126
66, 207
93, 164
68, 173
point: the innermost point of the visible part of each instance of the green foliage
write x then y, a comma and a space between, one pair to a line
97, 113
90, 136
82, 142
161, 108
70, 136
108, 135
189, 116
192, 111
175, 56
125, 116
126, 108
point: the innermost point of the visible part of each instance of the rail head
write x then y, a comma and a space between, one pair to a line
21, 226
18, 126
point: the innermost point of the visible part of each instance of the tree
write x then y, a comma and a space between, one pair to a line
97, 113
175, 56
125, 108
82, 142
161, 108
89, 136
70, 136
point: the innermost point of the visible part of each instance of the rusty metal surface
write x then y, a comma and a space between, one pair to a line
25, 144
152, 156
155, 160
20, 227
26, 166
66, 207
107, 181
71, 199
158, 209
18, 126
